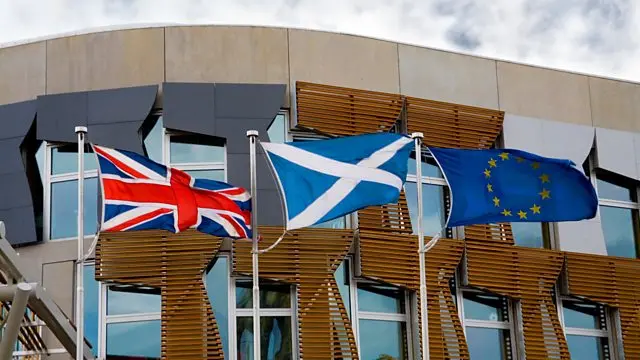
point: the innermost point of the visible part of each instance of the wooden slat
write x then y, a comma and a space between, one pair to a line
310, 258
526, 274
175, 264
611, 281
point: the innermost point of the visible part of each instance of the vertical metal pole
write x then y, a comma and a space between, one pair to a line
81, 131
12, 327
253, 136
417, 137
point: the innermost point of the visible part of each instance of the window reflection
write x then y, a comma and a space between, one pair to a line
134, 339
480, 306
342, 279
91, 315
217, 285
339, 223
275, 338
196, 149
64, 159
607, 190
153, 142
587, 347
128, 300
383, 340
64, 208
429, 168
619, 235
433, 207
380, 298
277, 130
272, 296
528, 234
217, 175
487, 344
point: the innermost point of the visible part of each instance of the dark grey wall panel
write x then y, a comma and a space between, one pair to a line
248, 101
119, 105
238, 171
123, 136
16, 119
15, 191
59, 114
270, 208
20, 225
190, 107
10, 158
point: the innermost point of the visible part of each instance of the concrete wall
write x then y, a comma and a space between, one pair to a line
152, 56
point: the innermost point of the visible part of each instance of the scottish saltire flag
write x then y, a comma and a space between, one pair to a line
140, 194
325, 179
506, 185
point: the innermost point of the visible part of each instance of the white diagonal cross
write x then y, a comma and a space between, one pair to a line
350, 175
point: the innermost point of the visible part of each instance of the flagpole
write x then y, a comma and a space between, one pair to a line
253, 136
81, 131
417, 137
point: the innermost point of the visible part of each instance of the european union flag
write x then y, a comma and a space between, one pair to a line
507, 185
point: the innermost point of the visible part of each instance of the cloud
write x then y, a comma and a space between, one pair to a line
589, 36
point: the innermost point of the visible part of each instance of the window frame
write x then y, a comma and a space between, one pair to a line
234, 313
48, 181
167, 135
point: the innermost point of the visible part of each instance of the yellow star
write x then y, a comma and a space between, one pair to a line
519, 159
490, 187
487, 173
535, 165
492, 163
496, 201
544, 178
535, 208
546, 194
504, 156
506, 212
522, 214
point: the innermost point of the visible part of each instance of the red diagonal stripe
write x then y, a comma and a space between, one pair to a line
120, 165
235, 225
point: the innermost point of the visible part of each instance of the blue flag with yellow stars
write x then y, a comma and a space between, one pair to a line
507, 185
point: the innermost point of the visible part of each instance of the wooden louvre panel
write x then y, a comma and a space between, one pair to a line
529, 275
453, 125
175, 264
343, 111
490, 232
610, 281
390, 218
308, 258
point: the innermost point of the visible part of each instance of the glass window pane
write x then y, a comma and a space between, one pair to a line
528, 234
583, 315
478, 306
217, 175
277, 130
428, 169
383, 340
607, 190
64, 208
342, 279
275, 338
217, 285
195, 149
64, 159
617, 226
140, 339
379, 298
124, 300
433, 207
40, 159
485, 343
91, 315
339, 223
153, 142
272, 296
588, 347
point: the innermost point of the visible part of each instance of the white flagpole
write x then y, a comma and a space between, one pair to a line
253, 136
417, 137
81, 131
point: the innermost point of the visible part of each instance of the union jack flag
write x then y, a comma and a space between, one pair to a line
140, 194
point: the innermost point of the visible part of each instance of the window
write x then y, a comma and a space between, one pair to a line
382, 316
531, 234
61, 192
278, 129
619, 215
434, 192
487, 322
116, 314
586, 328
277, 327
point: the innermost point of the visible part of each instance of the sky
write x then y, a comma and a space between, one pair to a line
600, 37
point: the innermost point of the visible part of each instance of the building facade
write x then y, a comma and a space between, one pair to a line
347, 289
